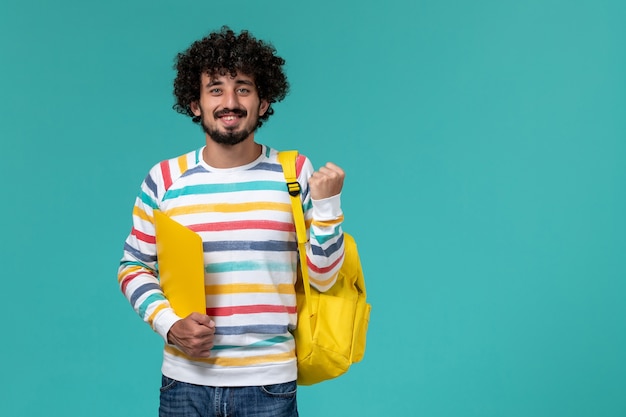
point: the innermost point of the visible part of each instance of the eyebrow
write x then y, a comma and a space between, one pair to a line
246, 82
238, 82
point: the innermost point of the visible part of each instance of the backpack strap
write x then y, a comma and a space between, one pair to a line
288, 161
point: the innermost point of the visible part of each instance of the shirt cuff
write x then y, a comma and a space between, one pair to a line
164, 321
327, 208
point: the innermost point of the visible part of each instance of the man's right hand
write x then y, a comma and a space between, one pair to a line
193, 335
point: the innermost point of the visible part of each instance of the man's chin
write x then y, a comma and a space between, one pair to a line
228, 138
231, 135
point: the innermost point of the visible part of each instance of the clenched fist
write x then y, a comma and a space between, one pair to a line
193, 335
326, 182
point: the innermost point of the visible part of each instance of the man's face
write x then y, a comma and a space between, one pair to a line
229, 107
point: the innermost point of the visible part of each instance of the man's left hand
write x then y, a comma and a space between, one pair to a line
326, 182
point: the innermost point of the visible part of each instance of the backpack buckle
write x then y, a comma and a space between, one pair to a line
293, 188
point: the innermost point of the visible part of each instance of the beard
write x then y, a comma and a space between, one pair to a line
230, 137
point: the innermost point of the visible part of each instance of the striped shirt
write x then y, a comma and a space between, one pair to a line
244, 218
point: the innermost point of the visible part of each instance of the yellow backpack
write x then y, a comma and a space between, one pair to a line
332, 325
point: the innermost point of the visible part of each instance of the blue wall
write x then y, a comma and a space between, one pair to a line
485, 147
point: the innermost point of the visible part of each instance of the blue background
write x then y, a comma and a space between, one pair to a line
485, 149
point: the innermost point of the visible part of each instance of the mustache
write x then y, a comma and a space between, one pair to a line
237, 112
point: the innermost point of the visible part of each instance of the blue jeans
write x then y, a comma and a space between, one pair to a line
180, 399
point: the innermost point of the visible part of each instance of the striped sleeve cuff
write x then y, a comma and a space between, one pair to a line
327, 208
164, 321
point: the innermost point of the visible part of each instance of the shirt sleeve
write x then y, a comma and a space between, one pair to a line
325, 247
137, 274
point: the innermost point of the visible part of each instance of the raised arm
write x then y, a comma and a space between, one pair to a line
321, 201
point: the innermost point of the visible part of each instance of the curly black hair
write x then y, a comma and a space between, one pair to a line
225, 52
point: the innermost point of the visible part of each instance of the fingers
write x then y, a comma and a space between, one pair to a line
202, 319
193, 335
198, 345
202, 325
327, 181
332, 169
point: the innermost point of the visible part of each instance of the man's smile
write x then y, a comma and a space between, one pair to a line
230, 118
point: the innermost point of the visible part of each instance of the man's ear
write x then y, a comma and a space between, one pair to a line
195, 108
263, 107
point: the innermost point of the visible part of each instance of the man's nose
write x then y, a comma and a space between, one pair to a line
231, 100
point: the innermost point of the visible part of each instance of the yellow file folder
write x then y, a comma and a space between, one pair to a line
181, 265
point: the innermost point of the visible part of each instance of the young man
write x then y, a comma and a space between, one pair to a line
238, 359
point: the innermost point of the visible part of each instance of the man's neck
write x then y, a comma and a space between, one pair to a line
231, 156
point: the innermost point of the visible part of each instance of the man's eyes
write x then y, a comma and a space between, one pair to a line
240, 91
